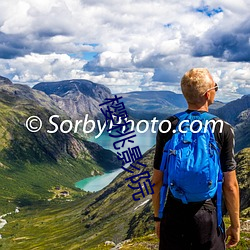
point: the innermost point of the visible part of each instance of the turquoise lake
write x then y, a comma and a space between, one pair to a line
144, 140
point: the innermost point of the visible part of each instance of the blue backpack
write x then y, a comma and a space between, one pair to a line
191, 162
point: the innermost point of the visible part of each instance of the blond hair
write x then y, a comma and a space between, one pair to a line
195, 83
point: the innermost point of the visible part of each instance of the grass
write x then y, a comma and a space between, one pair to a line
151, 242
51, 225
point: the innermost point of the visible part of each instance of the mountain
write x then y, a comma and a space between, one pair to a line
149, 104
237, 113
159, 104
31, 164
232, 110
4, 80
76, 97
216, 105
242, 130
34, 166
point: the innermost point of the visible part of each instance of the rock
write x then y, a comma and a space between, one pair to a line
109, 243
2, 223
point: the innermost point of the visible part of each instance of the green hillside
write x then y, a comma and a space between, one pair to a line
86, 223
79, 224
243, 175
31, 164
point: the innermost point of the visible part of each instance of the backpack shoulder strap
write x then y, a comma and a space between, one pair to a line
208, 116
182, 115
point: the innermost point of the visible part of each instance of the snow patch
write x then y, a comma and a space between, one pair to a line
142, 204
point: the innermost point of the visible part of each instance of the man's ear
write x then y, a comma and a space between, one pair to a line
207, 95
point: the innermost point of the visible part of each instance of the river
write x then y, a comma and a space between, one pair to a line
3, 222
144, 140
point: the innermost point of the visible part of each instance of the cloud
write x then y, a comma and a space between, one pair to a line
139, 45
230, 45
34, 68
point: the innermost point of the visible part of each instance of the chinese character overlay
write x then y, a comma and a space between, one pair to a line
115, 114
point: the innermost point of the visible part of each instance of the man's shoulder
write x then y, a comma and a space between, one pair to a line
227, 127
173, 121
171, 118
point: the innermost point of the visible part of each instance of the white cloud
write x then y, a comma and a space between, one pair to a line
117, 81
34, 68
140, 44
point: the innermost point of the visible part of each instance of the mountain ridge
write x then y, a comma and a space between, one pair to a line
76, 97
230, 111
237, 113
4, 80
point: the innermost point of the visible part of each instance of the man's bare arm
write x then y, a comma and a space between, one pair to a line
157, 180
232, 200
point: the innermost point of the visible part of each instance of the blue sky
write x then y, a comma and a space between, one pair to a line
126, 45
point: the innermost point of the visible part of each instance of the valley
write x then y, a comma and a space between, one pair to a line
38, 171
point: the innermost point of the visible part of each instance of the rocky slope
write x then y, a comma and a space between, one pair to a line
4, 80
237, 114
242, 130
231, 111
76, 97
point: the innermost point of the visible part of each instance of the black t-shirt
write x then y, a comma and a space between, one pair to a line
225, 141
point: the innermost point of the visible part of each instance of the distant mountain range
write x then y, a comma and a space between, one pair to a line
79, 97
149, 104
159, 104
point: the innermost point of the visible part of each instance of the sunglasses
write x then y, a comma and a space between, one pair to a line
216, 87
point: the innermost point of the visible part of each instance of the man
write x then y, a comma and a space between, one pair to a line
194, 225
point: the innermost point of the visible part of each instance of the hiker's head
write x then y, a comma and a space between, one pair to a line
198, 86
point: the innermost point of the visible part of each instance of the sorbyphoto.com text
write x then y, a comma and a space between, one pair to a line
87, 126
